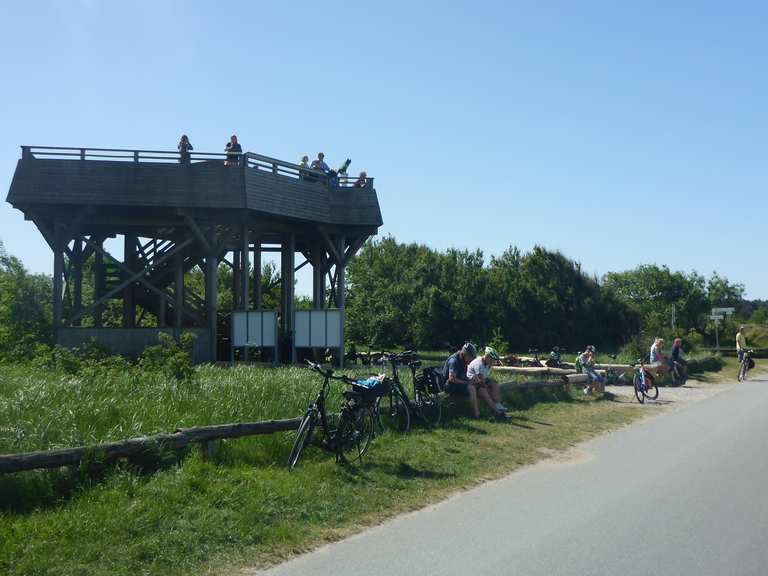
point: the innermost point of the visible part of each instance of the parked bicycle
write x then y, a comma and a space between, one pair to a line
614, 377
644, 384
746, 365
347, 435
393, 410
555, 357
427, 386
678, 373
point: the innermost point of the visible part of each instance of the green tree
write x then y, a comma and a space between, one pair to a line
25, 306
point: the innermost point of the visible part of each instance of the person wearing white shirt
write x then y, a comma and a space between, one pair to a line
478, 372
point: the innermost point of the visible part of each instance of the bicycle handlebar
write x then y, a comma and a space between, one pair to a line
328, 373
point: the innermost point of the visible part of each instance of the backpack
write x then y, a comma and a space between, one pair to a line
433, 380
577, 364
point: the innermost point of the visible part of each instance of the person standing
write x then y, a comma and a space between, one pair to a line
320, 164
233, 150
185, 147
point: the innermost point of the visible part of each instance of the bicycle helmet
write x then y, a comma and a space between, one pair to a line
469, 349
490, 351
591, 348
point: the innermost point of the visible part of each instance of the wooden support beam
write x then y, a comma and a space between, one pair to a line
256, 273
77, 279
197, 232
318, 277
333, 249
134, 277
58, 275
211, 295
245, 265
129, 258
178, 290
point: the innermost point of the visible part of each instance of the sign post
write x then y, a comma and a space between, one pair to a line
716, 318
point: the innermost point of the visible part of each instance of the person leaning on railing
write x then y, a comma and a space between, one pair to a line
233, 150
360, 182
185, 147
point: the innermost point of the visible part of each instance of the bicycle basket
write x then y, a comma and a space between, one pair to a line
432, 379
751, 364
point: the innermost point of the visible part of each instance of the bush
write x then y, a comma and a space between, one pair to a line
705, 364
172, 358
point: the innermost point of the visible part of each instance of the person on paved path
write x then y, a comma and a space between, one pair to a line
741, 343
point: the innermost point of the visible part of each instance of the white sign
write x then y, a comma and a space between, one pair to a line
318, 328
716, 317
722, 311
254, 328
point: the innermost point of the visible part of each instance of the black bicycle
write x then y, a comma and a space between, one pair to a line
393, 410
348, 434
426, 389
746, 365
678, 373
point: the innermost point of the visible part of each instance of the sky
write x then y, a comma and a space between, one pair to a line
618, 133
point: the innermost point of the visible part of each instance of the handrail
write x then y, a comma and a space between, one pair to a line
258, 162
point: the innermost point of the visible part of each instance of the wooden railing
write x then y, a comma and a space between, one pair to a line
246, 160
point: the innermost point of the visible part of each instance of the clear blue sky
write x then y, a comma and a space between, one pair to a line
619, 133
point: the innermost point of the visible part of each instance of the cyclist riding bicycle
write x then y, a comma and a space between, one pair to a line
741, 343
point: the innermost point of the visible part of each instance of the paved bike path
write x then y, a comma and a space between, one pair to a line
682, 493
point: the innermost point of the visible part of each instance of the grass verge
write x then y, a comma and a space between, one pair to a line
194, 516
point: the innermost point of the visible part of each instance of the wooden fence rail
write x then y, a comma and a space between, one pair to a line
111, 450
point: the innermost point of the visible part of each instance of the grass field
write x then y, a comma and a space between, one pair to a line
176, 514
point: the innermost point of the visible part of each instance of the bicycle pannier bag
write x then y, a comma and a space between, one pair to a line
434, 379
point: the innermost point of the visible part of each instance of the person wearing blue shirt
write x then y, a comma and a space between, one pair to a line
320, 164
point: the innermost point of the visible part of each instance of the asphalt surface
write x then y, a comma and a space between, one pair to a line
683, 493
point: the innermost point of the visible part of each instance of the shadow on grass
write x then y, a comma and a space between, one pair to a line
26, 492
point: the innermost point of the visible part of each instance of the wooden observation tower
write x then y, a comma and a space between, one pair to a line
173, 214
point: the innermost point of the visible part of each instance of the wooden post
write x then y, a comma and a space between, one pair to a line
256, 273
211, 285
77, 279
235, 279
340, 298
179, 295
129, 258
98, 282
340, 275
318, 277
58, 276
286, 292
245, 254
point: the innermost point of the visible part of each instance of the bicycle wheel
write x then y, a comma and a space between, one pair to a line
428, 405
651, 389
392, 412
354, 433
302, 438
638, 388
